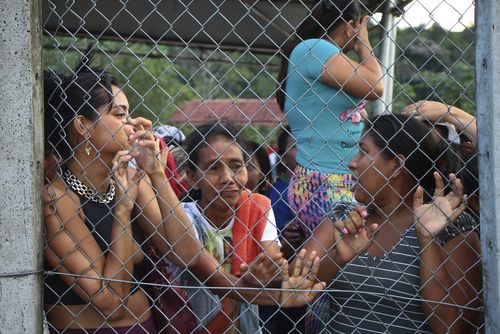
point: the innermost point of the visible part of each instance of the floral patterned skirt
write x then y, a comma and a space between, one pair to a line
312, 195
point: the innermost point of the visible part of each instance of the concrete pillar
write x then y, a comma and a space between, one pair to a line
21, 166
488, 118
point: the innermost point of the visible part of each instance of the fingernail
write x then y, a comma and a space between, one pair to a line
360, 230
364, 214
344, 230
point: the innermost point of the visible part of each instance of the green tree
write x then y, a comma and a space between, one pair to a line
430, 64
435, 64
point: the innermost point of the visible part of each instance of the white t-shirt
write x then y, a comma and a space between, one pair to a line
270, 231
218, 242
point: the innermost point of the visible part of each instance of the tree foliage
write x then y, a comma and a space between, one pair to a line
430, 64
435, 64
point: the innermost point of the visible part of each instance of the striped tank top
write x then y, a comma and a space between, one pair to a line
380, 294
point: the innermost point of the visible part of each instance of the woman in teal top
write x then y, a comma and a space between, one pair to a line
322, 92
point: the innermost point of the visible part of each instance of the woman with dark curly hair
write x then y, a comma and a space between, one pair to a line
99, 211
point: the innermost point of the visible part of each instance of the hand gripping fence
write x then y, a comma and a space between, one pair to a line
230, 206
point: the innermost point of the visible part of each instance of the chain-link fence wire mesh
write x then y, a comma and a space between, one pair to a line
132, 250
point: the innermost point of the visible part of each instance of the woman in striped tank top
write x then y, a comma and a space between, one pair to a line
392, 265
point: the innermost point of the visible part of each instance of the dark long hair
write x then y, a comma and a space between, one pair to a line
83, 92
326, 16
282, 149
469, 174
399, 134
52, 90
259, 152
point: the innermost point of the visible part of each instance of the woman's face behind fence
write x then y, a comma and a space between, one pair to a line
372, 172
109, 132
221, 173
396, 153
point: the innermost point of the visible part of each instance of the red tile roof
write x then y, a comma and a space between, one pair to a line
254, 111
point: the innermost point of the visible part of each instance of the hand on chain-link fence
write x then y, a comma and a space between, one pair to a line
308, 214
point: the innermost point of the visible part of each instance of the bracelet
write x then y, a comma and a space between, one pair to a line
340, 211
465, 222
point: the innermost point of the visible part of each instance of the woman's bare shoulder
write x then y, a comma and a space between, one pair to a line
60, 198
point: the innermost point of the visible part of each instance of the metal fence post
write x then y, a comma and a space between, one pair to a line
21, 167
387, 59
488, 112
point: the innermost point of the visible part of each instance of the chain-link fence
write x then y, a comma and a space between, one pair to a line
194, 148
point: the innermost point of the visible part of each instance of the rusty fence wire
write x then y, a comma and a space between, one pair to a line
208, 164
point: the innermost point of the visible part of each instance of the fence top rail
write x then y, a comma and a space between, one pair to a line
262, 26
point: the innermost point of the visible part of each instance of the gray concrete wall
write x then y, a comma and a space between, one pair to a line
488, 117
21, 166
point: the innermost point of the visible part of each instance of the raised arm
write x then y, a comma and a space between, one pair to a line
73, 250
434, 111
450, 275
362, 79
160, 213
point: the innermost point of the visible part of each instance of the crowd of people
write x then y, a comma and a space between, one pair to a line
364, 224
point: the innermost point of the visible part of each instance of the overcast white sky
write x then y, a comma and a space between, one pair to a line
454, 15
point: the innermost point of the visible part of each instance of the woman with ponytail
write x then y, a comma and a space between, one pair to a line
322, 93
